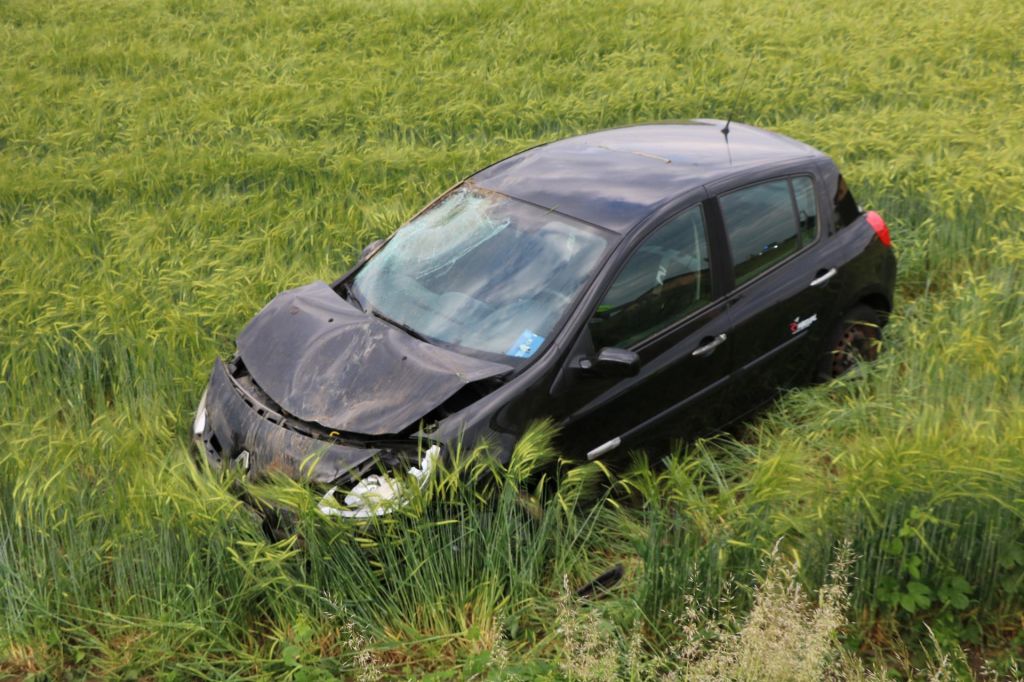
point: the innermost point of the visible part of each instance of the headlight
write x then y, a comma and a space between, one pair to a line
379, 494
199, 423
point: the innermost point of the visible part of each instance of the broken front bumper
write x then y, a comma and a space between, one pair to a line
234, 429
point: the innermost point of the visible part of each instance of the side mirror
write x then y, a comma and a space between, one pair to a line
613, 362
370, 248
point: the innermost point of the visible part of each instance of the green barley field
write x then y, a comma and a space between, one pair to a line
166, 167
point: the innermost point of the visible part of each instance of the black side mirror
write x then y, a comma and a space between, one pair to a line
370, 248
613, 362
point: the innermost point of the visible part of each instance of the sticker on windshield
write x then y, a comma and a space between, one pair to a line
526, 345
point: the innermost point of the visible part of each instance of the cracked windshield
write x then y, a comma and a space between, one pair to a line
482, 271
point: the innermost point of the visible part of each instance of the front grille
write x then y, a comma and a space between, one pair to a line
267, 408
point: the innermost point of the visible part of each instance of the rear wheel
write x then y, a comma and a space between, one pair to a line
857, 338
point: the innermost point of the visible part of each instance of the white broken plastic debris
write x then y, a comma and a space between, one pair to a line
199, 423
378, 494
427, 464
243, 461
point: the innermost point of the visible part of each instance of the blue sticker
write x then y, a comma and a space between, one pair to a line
526, 345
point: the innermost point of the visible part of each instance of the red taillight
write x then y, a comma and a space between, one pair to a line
879, 226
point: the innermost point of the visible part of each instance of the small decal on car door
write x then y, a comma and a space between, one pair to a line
798, 325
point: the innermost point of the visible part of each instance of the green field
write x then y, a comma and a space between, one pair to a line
167, 167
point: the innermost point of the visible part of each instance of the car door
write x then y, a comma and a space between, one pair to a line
784, 282
664, 305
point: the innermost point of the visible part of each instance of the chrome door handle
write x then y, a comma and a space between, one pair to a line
818, 281
709, 346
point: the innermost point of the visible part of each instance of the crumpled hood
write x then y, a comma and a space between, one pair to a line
324, 361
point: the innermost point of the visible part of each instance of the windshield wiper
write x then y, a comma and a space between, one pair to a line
352, 297
404, 327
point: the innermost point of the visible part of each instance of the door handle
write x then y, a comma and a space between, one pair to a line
709, 346
818, 281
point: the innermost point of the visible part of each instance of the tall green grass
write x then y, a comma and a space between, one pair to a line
166, 167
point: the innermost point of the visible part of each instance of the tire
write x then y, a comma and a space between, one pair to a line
857, 338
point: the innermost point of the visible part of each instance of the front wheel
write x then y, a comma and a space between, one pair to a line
857, 338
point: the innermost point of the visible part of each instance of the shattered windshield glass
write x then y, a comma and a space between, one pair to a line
482, 271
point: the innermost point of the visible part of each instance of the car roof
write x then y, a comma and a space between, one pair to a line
615, 178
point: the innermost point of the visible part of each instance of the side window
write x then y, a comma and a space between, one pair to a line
806, 209
666, 278
761, 226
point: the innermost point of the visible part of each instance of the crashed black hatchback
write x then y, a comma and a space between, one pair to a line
635, 285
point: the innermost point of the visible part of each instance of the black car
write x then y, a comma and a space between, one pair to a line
633, 284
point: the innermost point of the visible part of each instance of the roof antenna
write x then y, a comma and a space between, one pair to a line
732, 109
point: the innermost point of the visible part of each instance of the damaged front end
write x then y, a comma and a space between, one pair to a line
238, 426
324, 393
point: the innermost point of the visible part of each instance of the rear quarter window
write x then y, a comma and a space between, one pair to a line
845, 208
806, 209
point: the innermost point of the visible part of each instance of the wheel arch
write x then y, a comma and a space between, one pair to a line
879, 302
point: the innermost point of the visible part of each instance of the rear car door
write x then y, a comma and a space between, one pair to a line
785, 281
663, 305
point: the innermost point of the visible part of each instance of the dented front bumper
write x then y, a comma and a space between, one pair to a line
237, 430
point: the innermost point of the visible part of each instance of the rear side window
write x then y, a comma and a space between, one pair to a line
761, 227
665, 279
768, 222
